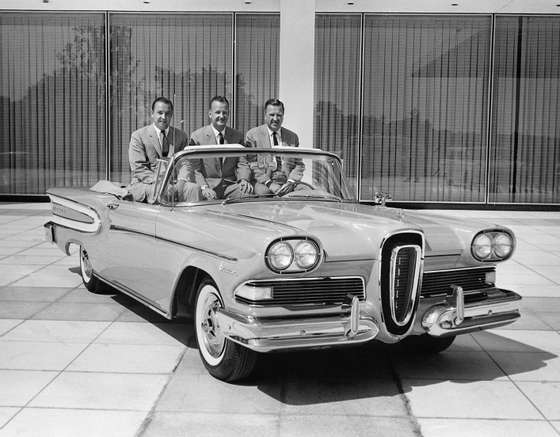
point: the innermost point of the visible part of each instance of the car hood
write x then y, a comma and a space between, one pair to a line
346, 230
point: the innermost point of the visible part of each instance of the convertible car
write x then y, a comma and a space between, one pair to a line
293, 263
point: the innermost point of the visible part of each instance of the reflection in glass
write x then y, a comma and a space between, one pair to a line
52, 91
525, 154
337, 88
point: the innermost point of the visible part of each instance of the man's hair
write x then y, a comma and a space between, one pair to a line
273, 102
162, 100
219, 99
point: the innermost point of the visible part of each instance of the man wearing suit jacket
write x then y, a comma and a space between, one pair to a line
217, 177
153, 142
268, 177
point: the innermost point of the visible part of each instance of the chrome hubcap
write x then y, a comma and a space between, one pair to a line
85, 264
212, 337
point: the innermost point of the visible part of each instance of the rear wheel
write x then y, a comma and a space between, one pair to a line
86, 271
223, 358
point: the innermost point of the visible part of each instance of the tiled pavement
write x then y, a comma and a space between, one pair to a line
77, 364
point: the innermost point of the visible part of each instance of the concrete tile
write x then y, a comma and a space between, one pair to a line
556, 425
506, 340
32, 422
523, 366
43, 251
493, 428
7, 324
545, 395
551, 272
128, 358
37, 356
51, 276
527, 321
56, 331
32, 294
29, 260
9, 273
201, 393
142, 333
449, 365
351, 395
70, 261
541, 304
80, 311
473, 399
551, 319
102, 391
20, 310
512, 280
464, 343
222, 425
341, 425
6, 413
18, 387
535, 291
15, 243
82, 295
6, 251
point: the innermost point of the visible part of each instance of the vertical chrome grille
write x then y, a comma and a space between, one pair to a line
400, 275
404, 282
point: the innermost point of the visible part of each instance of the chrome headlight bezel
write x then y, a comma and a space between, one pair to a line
490, 245
300, 248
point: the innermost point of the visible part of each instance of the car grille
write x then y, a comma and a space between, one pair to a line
320, 291
403, 282
439, 283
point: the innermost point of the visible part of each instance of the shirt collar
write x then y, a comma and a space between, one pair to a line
216, 132
278, 135
158, 130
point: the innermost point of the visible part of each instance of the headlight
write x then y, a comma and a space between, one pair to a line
293, 255
306, 254
492, 246
280, 255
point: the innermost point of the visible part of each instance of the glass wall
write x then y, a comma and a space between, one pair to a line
52, 87
60, 97
422, 126
525, 157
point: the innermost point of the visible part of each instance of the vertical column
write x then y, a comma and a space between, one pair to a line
297, 60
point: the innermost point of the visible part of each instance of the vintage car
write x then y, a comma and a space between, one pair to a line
301, 267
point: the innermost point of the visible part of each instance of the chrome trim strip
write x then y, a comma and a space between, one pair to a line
460, 268
414, 291
129, 292
73, 224
133, 231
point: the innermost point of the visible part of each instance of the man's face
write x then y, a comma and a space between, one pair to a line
219, 115
161, 115
273, 117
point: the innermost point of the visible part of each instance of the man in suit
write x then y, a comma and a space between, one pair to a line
271, 174
150, 143
220, 177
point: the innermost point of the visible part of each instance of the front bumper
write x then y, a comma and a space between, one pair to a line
456, 317
265, 335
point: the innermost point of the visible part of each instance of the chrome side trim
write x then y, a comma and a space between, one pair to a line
134, 231
414, 291
129, 292
92, 227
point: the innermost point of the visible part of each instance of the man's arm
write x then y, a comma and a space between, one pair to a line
139, 163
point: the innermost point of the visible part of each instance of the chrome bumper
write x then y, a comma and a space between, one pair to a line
265, 335
457, 317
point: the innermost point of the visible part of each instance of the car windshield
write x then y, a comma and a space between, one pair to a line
245, 175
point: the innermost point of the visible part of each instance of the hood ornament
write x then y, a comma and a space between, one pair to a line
381, 198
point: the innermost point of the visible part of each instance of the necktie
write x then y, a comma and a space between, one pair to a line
220, 138
164, 144
275, 143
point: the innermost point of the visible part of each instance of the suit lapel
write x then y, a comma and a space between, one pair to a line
155, 140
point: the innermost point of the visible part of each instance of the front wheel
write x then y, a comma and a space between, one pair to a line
223, 358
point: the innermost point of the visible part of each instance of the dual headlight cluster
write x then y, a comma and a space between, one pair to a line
293, 255
492, 245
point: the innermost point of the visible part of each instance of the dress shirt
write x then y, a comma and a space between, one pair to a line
217, 133
278, 136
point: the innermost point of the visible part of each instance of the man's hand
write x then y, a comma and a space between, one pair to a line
208, 193
245, 186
